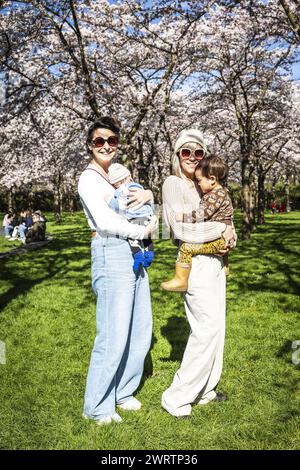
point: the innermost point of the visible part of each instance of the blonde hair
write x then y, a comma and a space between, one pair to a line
176, 167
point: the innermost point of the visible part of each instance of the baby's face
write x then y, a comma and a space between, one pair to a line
128, 179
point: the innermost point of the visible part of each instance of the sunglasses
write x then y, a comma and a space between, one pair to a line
100, 141
187, 153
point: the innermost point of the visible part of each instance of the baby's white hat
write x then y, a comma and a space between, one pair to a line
189, 135
117, 172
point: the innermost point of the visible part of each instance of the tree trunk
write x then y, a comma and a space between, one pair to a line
248, 211
57, 207
72, 203
11, 200
247, 199
287, 196
261, 201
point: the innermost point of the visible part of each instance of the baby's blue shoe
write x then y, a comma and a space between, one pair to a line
148, 258
138, 261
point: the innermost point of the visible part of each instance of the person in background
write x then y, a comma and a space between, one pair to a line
8, 224
25, 223
273, 207
37, 232
42, 216
21, 225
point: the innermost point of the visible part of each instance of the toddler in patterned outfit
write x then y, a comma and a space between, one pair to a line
216, 206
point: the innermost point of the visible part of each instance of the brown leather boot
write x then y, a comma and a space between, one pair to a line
180, 281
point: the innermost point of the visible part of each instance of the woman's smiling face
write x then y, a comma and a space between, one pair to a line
103, 155
188, 165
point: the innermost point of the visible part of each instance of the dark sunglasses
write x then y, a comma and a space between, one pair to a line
186, 153
100, 141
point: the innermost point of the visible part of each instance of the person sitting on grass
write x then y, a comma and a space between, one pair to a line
120, 177
37, 232
25, 225
21, 225
42, 216
215, 205
8, 224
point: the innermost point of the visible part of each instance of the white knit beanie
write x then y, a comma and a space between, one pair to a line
117, 172
189, 135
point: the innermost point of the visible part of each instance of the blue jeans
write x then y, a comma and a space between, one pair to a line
22, 230
124, 327
8, 229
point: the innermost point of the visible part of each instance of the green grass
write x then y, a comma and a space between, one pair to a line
47, 323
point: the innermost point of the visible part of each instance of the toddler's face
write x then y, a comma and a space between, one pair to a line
206, 184
128, 179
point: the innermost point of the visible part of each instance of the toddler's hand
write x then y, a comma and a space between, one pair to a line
151, 227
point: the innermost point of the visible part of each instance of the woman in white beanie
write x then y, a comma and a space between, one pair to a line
123, 311
204, 301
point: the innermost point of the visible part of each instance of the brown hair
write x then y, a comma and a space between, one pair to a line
213, 166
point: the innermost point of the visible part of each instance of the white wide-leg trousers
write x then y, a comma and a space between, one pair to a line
201, 367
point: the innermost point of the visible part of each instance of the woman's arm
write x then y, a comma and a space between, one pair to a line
173, 202
104, 219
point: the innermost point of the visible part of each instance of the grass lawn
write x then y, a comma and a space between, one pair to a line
47, 322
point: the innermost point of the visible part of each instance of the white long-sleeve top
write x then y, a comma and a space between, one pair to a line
93, 188
181, 197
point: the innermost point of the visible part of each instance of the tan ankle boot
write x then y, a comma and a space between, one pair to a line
180, 281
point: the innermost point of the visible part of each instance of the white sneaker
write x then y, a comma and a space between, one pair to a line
106, 419
131, 405
103, 421
116, 418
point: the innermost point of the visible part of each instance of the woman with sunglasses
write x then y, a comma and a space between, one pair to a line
123, 311
204, 301
211, 172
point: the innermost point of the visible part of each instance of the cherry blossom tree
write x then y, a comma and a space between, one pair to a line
157, 66
292, 11
246, 60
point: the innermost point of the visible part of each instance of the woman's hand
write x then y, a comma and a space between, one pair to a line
138, 197
228, 236
151, 227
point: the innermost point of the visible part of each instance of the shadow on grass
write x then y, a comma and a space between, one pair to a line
31, 268
176, 331
148, 365
268, 263
270, 260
